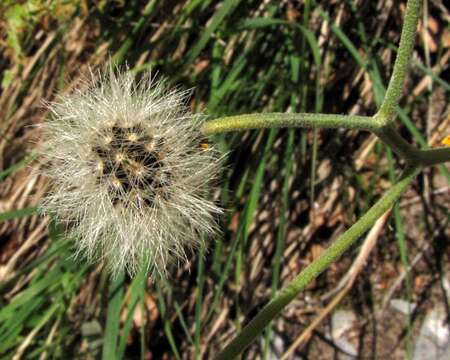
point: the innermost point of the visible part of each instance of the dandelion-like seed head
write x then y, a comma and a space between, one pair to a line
130, 172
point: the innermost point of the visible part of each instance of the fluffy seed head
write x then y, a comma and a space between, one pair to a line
130, 172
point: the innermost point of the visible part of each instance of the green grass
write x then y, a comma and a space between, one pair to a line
240, 56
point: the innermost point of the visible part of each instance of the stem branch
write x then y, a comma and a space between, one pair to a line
386, 132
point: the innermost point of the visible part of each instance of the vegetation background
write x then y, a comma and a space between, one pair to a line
287, 193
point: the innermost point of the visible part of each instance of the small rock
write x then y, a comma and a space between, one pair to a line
433, 341
341, 322
403, 306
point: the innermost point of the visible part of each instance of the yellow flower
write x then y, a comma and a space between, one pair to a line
446, 140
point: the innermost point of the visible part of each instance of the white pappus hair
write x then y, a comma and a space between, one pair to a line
130, 172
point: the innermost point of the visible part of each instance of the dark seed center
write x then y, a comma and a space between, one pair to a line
131, 159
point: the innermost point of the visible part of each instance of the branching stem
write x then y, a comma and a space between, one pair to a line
385, 132
379, 124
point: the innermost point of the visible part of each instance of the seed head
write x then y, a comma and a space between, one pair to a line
130, 172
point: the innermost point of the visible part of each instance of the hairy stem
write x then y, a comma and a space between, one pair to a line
401, 65
290, 292
385, 133
288, 120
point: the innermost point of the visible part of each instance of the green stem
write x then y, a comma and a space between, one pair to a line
408, 152
386, 132
391, 138
433, 156
290, 292
278, 120
401, 65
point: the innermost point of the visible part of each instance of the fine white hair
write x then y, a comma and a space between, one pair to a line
130, 172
